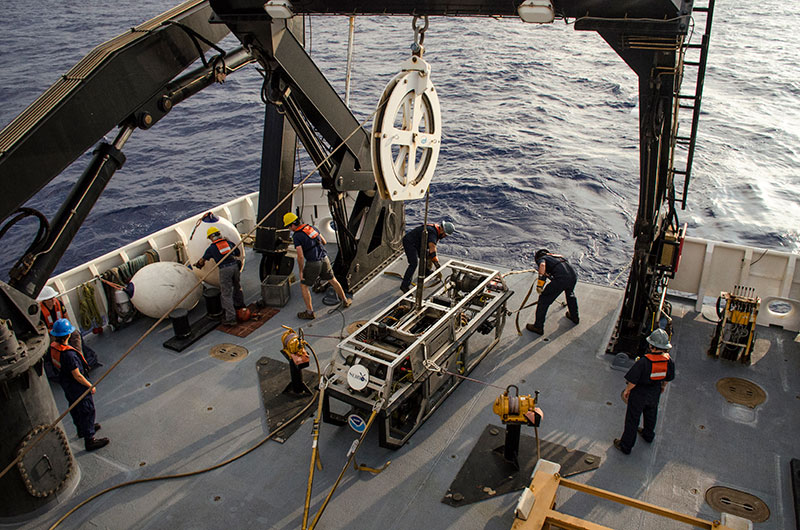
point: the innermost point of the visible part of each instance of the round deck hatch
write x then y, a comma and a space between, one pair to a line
737, 503
228, 352
741, 391
47, 466
353, 327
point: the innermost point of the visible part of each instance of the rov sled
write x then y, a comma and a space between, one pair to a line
409, 358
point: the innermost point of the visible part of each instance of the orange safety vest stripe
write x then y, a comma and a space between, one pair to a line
309, 231
658, 366
55, 354
223, 246
58, 311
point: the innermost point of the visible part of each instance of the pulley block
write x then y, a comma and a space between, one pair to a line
406, 133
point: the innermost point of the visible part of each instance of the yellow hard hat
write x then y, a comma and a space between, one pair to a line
289, 218
211, 231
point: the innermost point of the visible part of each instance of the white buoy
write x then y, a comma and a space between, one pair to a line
199, 242
158, 286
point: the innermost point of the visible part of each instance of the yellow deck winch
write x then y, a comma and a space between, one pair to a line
294, 347
512, 409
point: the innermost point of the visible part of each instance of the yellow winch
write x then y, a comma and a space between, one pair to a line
294, 346
512, 409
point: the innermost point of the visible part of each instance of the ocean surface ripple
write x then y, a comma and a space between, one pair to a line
540, 143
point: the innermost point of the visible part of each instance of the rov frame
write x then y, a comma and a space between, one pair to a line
415, 355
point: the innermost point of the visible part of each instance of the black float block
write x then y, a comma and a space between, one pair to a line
280, 406
486, 473
196, 331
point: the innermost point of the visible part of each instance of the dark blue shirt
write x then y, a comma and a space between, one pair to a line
313, 249
639, 375
414, 236
556, 267
69, 361
213, 252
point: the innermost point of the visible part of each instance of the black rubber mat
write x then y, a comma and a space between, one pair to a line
280, 406
487, 474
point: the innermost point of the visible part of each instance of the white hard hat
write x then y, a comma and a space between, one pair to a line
46, 294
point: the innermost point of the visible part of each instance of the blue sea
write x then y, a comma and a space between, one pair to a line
540, 131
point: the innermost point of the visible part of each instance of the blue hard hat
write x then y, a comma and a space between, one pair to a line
62, 328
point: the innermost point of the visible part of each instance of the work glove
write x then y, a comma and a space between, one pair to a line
540, 285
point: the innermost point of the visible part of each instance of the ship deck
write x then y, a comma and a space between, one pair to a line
168, 413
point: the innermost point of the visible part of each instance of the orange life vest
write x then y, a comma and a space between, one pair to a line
309, 231
56, 349
51, 317
223, 246
658, 365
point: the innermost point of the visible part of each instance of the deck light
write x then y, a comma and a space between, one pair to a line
279, 9
536, 11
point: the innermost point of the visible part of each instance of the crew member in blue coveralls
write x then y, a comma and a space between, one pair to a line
562, 280
312, 262
647, 379
412, 242
72, 370
231, 295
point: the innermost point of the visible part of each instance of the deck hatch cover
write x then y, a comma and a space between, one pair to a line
49, 464
741, 391
737, 503
228, 352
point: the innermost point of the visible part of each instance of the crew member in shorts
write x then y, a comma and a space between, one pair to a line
312, 262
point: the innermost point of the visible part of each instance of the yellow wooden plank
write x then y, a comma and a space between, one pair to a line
569, 522
544, 487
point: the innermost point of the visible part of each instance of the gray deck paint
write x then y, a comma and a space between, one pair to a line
155, 408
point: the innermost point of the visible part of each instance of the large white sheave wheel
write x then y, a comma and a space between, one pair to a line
406, 133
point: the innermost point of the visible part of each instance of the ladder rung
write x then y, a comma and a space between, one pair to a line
693, 46
686, 96
686, 106
700, 9
683, 138
678, 172
691, 63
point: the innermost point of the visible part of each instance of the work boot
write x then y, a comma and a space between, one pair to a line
640, 430
93, 444
347, 303
306, 315
618, 445
576, 320
539, 330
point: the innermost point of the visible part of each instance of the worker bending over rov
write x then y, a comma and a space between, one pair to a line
412, 242
312, 262
647, 379
72, 369
231, 297
562, 280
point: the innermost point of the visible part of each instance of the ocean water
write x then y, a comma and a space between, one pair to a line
540, 131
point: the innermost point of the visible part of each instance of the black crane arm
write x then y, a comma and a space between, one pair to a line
109, 86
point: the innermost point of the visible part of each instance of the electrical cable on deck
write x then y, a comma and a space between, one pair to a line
278, 429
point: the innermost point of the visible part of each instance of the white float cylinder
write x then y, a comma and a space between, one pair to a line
158, 286
199, 242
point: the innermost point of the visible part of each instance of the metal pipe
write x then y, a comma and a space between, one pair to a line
350, 39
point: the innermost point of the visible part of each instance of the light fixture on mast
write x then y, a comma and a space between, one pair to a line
536, 11
280, 9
